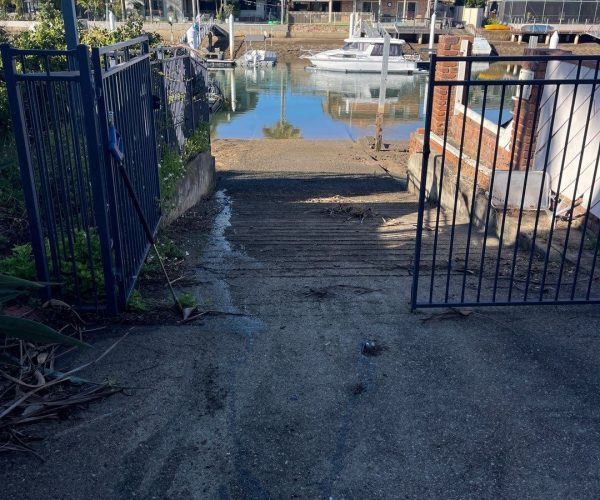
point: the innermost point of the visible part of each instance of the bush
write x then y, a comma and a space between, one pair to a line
170, 169
198, 142
86, 256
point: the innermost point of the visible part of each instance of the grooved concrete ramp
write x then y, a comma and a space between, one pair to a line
310, 253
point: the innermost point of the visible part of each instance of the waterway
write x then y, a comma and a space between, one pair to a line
291, 101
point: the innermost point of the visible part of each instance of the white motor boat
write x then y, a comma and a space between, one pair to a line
365, 55
255, 58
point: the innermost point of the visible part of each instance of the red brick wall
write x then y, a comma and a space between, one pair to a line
477, 140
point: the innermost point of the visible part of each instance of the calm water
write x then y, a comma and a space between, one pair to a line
289, 101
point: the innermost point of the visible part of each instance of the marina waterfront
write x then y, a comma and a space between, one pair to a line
292, 101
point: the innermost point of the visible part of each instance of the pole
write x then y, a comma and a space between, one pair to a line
382, 89
150, 4
231, 37
404, 11
124, 9
68, 12
283, 11
351, 28
432, 31
330, 11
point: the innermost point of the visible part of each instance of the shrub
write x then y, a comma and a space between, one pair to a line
87, 262
198, 142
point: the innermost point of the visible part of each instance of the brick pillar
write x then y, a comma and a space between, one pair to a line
526, 126
448, 45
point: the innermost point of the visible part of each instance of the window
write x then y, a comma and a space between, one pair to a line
395, 50
377, 50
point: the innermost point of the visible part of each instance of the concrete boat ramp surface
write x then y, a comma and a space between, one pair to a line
311, 248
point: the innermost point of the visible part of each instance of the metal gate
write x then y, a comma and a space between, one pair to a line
125, 102
509, 188
86, 236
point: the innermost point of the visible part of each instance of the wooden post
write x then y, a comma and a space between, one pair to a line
382, 89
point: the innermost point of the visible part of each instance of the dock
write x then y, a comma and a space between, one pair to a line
567, 32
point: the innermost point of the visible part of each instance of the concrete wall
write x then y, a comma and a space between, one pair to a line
198, 183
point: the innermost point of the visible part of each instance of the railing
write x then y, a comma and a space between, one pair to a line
52, 104
509, 199
122, 75
306, 17
87, 149
179, 84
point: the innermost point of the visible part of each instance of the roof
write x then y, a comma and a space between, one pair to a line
395, 41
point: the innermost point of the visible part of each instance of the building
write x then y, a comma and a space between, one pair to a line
585, 12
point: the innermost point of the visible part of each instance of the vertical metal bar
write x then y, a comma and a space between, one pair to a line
538, 211
584, 227
520, 220
70, 20
15, 104
474, 195
491, 188
439, 196
466, 90
507, 192
421, 209
581, 153
560, 177
102, 205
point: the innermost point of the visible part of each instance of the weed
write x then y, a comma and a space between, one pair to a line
79, 266
170, 170
186, 299
198, 142
136, 302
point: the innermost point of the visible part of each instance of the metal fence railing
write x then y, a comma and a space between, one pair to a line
509, 189
179, 84
51, 100
86, 137
307, 17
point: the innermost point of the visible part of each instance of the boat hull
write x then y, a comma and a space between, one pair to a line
344, 65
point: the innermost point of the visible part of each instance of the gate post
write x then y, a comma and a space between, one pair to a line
424, 166
101, 207
15, 104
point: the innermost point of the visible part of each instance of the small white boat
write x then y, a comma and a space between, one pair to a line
365, 55
256, 58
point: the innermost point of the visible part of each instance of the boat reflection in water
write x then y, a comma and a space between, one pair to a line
354, 99
289, 101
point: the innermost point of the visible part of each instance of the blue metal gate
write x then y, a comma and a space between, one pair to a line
125, 104
86, 235
52, 104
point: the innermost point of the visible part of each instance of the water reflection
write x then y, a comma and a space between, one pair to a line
288, 101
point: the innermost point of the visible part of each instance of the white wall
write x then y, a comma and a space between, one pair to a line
575, 151
472, 16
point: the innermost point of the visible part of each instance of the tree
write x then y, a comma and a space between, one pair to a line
91, 8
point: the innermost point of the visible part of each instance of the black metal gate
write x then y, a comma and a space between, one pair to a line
509, 188
125, 105
76, 119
